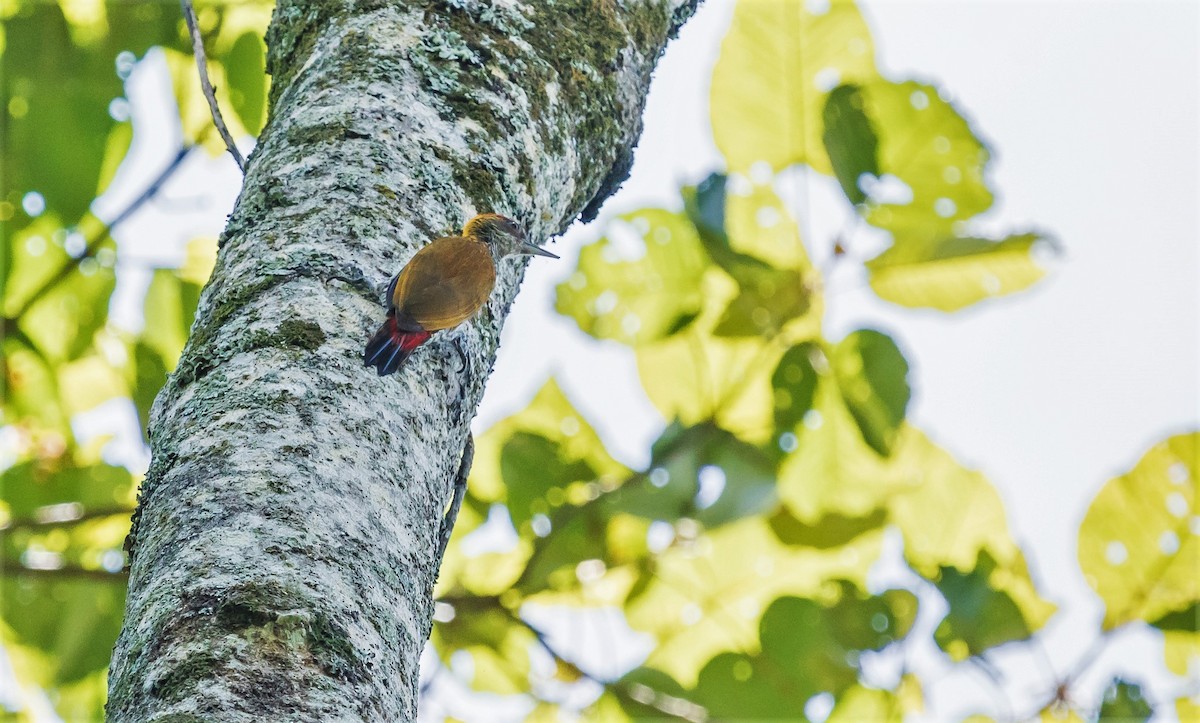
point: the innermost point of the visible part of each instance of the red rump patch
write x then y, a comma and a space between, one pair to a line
391, 346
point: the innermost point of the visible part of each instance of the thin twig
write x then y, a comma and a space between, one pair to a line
68, 572
460, 489
86, 516
680, 708
189, 14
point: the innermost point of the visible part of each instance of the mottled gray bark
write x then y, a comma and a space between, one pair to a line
283, 551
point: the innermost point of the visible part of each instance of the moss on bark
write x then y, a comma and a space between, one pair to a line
284, 545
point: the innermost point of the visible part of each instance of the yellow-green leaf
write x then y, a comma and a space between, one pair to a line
1139, 544
695, 377
63, 320
928, 147
949, 272
551, 416
643, 288
1181, 650
949, 517
770, 301
88, 382
759, 224
195, 116
119, 140
832, 470
706, 595
497, 644
779, 60
169, 308
858, 704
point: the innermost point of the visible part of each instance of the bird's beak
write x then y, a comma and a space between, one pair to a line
531, 250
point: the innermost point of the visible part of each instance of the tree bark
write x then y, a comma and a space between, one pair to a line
283, 554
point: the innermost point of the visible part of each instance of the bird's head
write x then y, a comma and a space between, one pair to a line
503, 235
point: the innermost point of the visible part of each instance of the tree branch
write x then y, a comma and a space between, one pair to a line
93, 245
13, 570
460, 488
189, 15
32, 523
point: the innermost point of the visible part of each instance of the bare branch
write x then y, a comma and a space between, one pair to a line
460, 488
68, 572
8, 325
189, 14
32, 523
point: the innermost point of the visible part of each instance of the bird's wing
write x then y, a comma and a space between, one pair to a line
445, 283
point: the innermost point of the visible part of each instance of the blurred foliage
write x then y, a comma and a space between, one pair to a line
64, 509
740, 556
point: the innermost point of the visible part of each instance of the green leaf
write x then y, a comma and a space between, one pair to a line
591, 533
805, 648
926, 145
76, 622
150, 376
951, 272
1124, 701
551, 416
62, 322
872, 376
549, 422
706, 592
54, 90
981, 616
30, 486
1187, 619
169, 309
795, 384
534, 469
1138, 545
832, 470
245, 65
850, 140
831, 531
31, 394
778, 61
769, 299
649, 296
684, 461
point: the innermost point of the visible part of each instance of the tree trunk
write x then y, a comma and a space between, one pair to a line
283, 554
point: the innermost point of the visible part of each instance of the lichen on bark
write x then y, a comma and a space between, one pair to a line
283, 551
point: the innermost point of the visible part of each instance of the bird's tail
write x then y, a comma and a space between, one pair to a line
391, 346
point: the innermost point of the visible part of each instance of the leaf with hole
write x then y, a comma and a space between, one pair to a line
1138, 546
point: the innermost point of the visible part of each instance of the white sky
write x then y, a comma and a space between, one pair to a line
1092, 111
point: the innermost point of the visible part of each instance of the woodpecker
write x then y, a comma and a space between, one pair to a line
443, 285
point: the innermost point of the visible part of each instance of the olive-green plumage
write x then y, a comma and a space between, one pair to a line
443, 285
